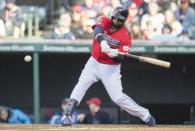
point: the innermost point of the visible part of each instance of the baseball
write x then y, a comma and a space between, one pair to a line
27, 58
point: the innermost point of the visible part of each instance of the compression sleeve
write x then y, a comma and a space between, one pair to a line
98, 33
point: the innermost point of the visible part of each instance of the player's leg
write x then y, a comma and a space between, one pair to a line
87, 78
111, 79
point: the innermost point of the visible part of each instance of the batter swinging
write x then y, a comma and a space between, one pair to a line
110, 37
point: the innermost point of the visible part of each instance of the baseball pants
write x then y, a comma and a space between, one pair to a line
111, 79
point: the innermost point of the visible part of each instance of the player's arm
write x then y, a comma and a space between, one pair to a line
116, 56
123, 47
99, 33
99, 27
99, 36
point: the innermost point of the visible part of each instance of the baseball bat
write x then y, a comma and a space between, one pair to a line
148, 60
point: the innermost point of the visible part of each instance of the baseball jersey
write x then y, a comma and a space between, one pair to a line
119, 39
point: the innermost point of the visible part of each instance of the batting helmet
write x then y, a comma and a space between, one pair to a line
120, 13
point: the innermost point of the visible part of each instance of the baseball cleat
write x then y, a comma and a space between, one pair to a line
151, 121
66, 121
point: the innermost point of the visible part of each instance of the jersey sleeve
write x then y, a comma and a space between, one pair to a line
22, 117
102, 21
125, 45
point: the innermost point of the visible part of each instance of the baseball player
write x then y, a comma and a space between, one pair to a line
110, 37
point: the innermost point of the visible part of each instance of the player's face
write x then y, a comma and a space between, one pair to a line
4, 115
118, 23
93, 108
10, 5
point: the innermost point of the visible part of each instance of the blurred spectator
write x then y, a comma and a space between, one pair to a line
164, 4
133, 16
87, 32
115, 3
56, 118
166, 29
109, 9
96, 115
2, 4
14, 21
138, 2
166, 34
128, 3
89, 9
153, 21
171, 20
184, 36
2, 29
173, 5
133, 13
63, 30
142, 5
64, 6
191, 33
149, 32
136, 31
185, 14
76, 25
99, 5
82, 22
2, 7
13, 116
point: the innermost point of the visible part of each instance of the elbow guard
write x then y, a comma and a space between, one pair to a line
98, 33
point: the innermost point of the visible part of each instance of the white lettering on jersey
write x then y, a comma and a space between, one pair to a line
111, 41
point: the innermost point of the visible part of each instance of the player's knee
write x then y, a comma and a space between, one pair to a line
116, 99
114, 77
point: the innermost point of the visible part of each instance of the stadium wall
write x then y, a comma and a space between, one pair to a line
167, 93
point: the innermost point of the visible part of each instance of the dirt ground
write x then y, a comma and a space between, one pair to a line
96, 128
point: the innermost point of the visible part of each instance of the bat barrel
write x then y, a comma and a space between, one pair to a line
148, 60
155, 62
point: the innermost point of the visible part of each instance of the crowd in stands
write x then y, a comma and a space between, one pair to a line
94, 115
12, 22
148, 19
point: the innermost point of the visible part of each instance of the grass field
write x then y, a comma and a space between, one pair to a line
96, 128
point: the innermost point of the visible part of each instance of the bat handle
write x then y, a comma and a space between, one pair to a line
129, 55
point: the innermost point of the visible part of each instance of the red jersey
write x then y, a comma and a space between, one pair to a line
119, 39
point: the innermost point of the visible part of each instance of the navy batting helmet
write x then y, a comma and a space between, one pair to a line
120, 13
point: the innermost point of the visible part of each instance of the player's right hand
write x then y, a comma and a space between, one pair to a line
105, 48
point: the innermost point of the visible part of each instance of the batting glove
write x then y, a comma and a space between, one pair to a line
105, 48
113, 53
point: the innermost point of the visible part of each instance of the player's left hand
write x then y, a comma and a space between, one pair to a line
113, 53
104, 46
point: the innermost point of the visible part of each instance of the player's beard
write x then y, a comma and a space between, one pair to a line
116, 26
